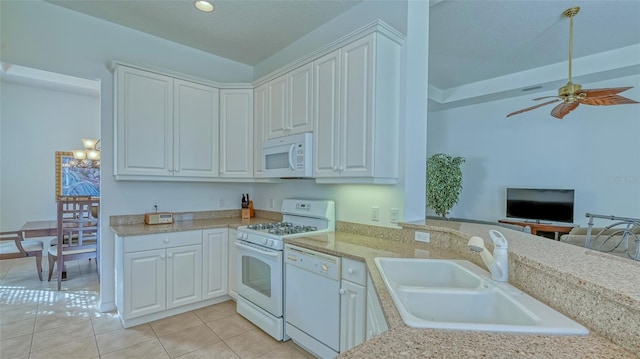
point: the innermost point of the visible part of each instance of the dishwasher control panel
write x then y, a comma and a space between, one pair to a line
315, 262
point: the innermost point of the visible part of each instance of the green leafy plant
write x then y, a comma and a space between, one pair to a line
444, 182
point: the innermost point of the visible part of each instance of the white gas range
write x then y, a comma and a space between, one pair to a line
260, 260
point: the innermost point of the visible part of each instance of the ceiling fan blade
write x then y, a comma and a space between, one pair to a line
532, 107
606, 100
542, 98
563, 109
604, 91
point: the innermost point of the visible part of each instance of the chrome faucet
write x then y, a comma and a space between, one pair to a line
498, 263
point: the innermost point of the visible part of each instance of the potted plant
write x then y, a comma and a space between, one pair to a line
444, 182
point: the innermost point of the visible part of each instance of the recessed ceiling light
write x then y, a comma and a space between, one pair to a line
204, 5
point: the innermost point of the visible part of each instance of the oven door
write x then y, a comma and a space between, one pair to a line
260, 276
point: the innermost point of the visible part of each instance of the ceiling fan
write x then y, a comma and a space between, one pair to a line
572, 94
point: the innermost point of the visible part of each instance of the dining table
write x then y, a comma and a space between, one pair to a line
32, 229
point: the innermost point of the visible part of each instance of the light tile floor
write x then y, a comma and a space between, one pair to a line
37, 321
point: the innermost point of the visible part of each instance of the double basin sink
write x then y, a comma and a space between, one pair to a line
458, 295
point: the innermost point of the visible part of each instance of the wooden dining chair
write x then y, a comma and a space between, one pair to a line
13, 245
78, 233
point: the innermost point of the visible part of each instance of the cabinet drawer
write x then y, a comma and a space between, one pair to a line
354, 271
163, 240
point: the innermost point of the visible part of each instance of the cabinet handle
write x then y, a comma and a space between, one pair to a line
170, 169
170, 256
335, 169
162, 257
177, 170
166, 240
351, 271
340, 168
342, 291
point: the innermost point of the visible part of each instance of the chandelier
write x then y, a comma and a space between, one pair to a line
89, 157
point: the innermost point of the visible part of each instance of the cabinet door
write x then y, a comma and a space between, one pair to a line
184, 275
376, 322
301, 99
326, 79
236, 133
144, 123
144, 282
232, 275
357, 108
215, 245
260, 113
278, 109
352, 315
196, 130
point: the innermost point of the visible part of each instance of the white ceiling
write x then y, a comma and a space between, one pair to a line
476, 46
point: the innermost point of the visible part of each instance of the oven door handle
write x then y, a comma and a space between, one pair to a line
257, 250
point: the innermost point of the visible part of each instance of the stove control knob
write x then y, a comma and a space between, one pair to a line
265, 241
270, 242
239, 235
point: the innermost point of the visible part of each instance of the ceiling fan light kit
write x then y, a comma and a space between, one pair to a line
572, 94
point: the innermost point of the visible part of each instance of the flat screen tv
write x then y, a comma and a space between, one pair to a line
540, 204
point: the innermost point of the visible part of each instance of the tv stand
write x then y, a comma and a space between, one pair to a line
536, 227
534, 222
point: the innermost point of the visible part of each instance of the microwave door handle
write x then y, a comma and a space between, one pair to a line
292, 165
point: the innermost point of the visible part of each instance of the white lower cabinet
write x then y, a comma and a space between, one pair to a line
145, 283
376, 323
232, 269
214, 244
361, 315
184, 275
161, 275
353, 304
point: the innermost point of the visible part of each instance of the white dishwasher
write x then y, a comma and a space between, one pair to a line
312, 300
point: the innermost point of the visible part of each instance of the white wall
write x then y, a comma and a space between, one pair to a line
594, 150
35, 122
393, 12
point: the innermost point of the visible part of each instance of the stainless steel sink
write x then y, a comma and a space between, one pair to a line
458, 295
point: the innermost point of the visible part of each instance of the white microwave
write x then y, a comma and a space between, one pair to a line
288, 157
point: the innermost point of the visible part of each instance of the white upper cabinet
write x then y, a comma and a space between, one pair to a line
301, 100
357, 91
165, 127
259, 131
326, 140
277, 113
290, 103
196, 129
236, 133
144, 125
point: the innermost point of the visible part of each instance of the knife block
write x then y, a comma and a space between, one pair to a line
248, 212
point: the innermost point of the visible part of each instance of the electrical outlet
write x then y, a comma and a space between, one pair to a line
272, 203
375, 213
393, 215
423, 237
221, 202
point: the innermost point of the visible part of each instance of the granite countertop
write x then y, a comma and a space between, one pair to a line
140, 229
541, 262
402, 341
